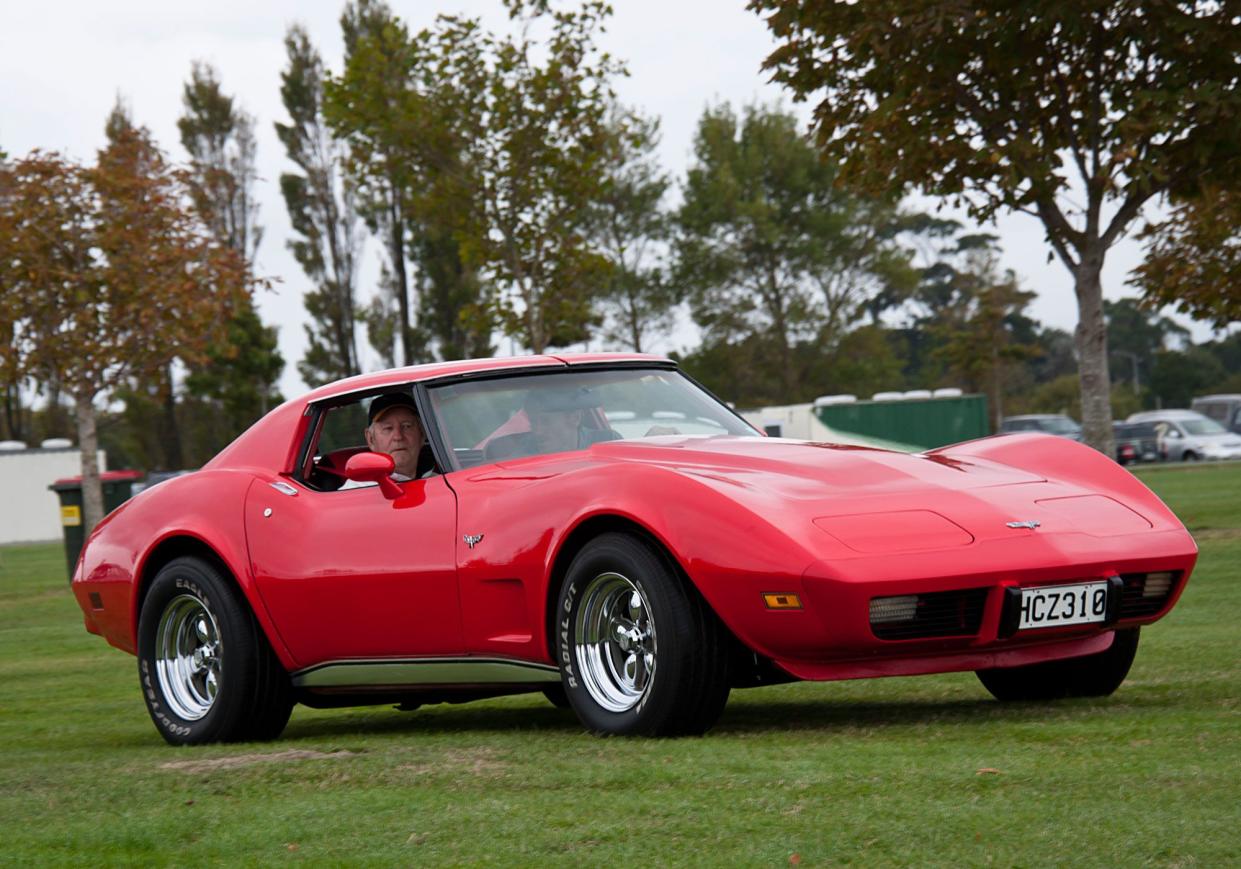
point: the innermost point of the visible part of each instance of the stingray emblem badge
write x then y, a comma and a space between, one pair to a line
471, 539
1029, 523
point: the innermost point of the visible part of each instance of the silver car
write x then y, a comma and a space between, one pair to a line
1188, 436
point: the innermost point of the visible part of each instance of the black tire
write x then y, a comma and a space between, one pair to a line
1095, 675
669, 639
1189, 456
206, 669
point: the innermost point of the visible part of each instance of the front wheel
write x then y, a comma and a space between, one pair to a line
640, 653
206, 670
1096, 675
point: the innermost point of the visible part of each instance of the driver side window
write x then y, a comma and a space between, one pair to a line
339, 437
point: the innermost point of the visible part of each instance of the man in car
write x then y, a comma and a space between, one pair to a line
393, 428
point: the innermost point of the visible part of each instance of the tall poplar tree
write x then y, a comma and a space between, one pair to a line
375, 109
240, 374
540, 166
633, 230
324, 216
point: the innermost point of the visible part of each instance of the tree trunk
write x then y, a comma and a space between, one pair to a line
1091, 340
173, 456
396, 250
997, 386
14, 413
88, 443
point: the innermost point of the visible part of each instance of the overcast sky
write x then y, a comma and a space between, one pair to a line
62, 65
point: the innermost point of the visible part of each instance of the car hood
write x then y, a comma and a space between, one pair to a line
874, 500
812, 471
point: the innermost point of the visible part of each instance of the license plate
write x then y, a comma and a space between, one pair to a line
1056, 605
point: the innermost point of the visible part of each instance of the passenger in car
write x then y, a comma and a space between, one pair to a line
556, 426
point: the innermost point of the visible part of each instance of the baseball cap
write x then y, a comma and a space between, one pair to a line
381, 404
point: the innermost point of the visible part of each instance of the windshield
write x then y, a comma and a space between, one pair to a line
1202, 426
529, 415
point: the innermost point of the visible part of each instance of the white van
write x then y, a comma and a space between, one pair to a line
1187, 436
1224, 409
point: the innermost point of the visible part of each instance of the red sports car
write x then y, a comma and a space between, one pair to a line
602, 529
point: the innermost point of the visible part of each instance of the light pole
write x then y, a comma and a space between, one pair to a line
1135, 358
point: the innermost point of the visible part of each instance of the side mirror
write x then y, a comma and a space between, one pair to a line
374, 468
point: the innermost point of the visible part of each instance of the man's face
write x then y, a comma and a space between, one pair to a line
398, 433
555, 431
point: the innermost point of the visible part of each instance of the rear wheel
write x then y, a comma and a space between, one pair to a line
206, 670
1095, 675
639, 651
1189, 456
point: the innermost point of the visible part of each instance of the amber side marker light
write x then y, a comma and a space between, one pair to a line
782, 601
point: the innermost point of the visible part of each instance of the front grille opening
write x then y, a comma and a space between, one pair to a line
1145, 594
938, 614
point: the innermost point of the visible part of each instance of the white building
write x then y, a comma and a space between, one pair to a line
29, 511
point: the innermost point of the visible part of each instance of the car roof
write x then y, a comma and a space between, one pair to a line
1171, 414
1038, 416
465, 367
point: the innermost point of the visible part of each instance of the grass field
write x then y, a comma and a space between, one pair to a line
911, 771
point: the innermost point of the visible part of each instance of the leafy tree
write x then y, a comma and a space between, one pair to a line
980, 344
736, 370
998, 104
538, 166
219, 137
1194, 258
238, 375
769, 245
864, 362
109, 256
1134, 336
375, 108
632, 230
323, 214
1177, 376
1055, 357
1228, 351
455, 296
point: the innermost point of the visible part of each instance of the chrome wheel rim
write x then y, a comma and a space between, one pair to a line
187, 657
614, 642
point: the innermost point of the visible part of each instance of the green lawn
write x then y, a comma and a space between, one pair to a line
913, 771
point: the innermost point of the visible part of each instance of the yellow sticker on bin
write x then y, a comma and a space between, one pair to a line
71, 514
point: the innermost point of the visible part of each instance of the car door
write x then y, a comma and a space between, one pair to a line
351, 574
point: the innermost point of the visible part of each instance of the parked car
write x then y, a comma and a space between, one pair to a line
1188, 436
1224, 409
636, 572
1136, 442
1051, 423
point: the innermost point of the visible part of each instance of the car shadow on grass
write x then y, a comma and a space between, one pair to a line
775, 716
478, 717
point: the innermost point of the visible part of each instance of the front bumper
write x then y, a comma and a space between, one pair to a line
973, 588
